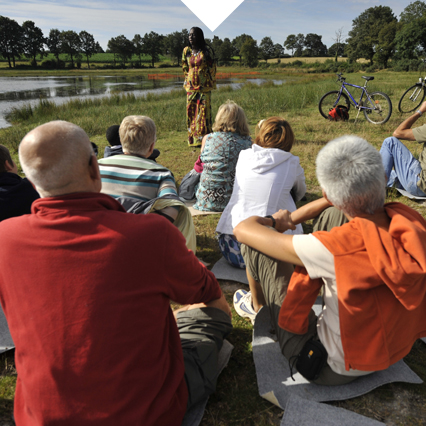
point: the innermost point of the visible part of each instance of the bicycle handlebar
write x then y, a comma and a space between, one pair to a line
340, 78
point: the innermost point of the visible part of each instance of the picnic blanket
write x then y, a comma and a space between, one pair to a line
302, 412
224, 271
275, 384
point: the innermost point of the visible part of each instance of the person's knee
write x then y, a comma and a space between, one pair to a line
251, 258
390, 142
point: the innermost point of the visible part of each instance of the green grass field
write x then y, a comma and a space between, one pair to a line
236, 401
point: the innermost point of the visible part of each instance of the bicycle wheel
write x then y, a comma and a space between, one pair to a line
379, 108
331, 100
412, 98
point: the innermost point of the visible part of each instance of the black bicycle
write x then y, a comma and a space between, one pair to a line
413, 97
376, 106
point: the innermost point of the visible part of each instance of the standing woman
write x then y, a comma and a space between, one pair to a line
199, 68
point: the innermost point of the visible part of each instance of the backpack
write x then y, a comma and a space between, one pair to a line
189, 185
339, 113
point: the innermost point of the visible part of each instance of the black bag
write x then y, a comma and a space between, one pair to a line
339, 113
311, 360
188, 185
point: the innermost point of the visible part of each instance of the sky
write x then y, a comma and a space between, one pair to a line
259, 18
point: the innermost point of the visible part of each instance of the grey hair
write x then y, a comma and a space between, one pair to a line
351, 173
137, 133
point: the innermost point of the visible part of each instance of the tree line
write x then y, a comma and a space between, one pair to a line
376, 35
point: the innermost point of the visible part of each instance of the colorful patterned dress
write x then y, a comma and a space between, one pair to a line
200, 79
219, 158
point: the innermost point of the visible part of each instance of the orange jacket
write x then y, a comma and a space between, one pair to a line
381, 287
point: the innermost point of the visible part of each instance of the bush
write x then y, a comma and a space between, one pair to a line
49, 64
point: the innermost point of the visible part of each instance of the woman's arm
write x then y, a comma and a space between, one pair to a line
185, 65
255, 232
309, 211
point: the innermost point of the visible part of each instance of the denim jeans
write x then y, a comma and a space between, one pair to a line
406, 168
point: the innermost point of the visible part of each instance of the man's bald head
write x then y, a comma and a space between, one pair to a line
55, 158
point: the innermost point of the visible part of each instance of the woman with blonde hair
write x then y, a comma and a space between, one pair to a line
268, 178
219, 155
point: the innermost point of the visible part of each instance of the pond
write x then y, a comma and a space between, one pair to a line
18, 91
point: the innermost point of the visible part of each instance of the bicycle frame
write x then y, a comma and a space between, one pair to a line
357, 105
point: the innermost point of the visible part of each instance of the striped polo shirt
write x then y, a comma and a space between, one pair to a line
131, 176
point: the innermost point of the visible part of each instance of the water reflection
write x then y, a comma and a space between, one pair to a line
17, 91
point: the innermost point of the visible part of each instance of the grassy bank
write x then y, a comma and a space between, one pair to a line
236, 401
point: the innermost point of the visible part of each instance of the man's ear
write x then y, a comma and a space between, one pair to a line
325, 196
94, 172
9, 167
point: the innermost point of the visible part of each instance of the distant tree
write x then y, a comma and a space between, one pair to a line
174, 44
54, 43
33, 41
337, 49
278, 50
11, 40
410, 40
226, 50
99, 48
299, 44
338, 41
385, 48
412, 12
216, 44
267, 48
364, 36
88, 45
314, 45
238, 42
153, 46
290, 43
249, 52
138, 46
71, 45
122, 47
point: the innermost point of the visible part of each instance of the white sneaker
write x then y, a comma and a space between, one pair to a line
243, 305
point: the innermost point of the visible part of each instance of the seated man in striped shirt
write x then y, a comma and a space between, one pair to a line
135, 180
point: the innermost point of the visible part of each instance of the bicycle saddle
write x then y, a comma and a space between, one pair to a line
368, 78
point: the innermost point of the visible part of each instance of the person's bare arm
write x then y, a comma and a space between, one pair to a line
220, 303
203, 143
309, 211
254, 232
404, 131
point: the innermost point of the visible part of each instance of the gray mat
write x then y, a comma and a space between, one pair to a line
224, 271
302, 412
6, 341
408, 195
194, 416
275, 384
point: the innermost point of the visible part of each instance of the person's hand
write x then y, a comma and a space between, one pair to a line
222, 304
283, 221
423, 107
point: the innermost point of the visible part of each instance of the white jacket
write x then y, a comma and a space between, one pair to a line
264, 178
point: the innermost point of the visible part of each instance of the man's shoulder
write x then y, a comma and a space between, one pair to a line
132, 162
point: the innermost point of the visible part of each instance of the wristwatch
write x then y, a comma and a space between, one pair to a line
419, 112
273, 220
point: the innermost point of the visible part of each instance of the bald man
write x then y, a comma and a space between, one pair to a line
88, 306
